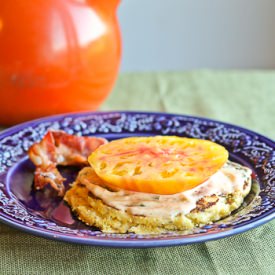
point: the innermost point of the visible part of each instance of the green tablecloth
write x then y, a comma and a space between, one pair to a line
243, 98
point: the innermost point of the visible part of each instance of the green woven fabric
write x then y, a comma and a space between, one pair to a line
243, 98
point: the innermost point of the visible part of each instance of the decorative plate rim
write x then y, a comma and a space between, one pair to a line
122, 243
136, 243
76, 114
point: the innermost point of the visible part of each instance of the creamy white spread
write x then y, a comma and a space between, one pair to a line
230, 178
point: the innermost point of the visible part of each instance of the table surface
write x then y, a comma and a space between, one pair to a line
245, 98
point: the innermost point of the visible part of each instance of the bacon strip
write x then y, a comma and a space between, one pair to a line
60, 148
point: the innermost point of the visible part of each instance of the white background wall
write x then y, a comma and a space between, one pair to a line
186, 34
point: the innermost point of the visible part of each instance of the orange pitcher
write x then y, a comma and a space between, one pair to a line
56, 56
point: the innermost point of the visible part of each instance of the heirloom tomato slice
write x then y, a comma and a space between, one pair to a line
160, 164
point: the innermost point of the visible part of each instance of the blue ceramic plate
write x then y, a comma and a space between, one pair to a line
43, 215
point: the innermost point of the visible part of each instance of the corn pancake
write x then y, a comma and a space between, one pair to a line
120, 211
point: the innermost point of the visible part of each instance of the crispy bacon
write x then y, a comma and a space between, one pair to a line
60, 148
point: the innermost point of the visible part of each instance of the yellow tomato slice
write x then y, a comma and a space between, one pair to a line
160, 164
